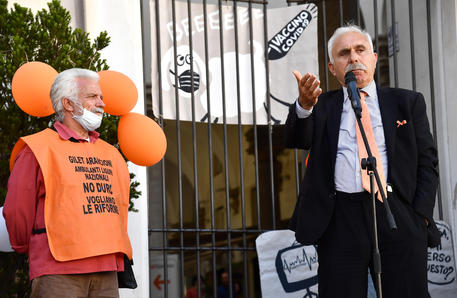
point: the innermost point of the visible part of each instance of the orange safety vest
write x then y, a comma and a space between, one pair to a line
87, 196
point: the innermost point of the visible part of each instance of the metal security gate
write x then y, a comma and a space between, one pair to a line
223, 182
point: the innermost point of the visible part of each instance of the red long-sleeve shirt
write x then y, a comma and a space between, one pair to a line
24, 211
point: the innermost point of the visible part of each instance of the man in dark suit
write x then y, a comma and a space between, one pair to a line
333, 207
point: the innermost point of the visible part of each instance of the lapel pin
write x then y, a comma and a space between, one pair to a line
401, 123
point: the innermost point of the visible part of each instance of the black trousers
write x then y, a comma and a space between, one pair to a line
345, 250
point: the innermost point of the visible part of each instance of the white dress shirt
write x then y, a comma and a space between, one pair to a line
347, 165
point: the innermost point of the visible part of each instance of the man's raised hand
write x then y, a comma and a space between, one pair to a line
308, 89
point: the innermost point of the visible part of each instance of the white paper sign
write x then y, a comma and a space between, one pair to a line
287, 268
157, 276
442, 281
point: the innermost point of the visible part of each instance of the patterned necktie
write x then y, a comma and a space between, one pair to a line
366, 122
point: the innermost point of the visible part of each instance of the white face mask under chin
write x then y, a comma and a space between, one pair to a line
89, 120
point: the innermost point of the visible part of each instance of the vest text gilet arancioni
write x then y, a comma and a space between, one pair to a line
87, 196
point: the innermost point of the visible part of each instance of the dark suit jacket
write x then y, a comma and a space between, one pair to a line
411, 154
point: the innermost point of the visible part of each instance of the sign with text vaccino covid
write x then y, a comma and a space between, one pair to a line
227, 77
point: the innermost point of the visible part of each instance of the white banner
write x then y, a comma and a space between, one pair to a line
292, 35
441, 266
287, 268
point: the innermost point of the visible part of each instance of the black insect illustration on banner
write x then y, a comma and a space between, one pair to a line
184, 73
188, 69
187, 79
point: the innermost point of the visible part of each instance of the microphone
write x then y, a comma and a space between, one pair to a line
353, 92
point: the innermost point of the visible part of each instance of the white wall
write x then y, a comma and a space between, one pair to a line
445, 58
122, 20
444, 52
366, 6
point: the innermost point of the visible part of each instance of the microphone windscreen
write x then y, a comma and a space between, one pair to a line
349, 77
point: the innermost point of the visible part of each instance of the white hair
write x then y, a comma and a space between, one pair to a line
65, 86
345, 29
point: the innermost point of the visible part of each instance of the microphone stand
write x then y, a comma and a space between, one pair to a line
369, 164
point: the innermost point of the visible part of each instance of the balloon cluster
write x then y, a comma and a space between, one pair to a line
141, 139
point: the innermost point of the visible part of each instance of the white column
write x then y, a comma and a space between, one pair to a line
122, 20
443, 17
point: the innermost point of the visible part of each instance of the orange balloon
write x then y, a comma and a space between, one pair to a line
141, 139
119, 92
31, 85
16, 149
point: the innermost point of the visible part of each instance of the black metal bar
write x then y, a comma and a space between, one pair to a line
411, 35
254, 127
169, 230
210, 146
340, 4
178, 145
376, 43
432, 98
297, 180
226, 164
194, 151
251, 1
145, 49
201, 248
298, 2
162, 162
159, 62
270, 128
324, 40
240, 142
394, 41
304, 156
358, 14
254, 116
